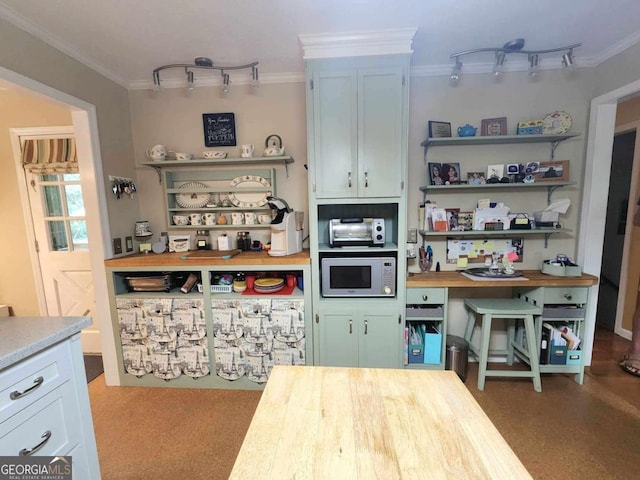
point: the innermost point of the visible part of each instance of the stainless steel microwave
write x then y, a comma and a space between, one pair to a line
358, 276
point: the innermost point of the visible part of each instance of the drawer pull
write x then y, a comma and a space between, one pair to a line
16, 394
366, 327
25, 451
350, 327
349, 179
568, 296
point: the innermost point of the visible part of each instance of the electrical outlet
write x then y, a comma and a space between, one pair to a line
117, 246
412, 235
129, 243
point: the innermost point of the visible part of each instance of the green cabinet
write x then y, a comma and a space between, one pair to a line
357, 129
358, 339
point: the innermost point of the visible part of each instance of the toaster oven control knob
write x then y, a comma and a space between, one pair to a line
379, 238
387, 290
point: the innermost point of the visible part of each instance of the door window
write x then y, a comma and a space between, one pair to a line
64, 213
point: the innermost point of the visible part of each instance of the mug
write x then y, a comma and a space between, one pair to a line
250, 218
195, 219
209, 218
246, 150
180, 220
157, 152
264, 218
237, 218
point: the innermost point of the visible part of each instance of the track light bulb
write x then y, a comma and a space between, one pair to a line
456, 70
156, 82
225, 84
568, 61
498, 65
190, 81
255, 81
534, 65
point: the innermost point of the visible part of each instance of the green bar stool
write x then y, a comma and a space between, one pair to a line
512, 309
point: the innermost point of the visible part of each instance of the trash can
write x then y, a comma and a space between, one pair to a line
457, 356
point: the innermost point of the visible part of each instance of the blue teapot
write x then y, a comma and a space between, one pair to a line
467, 131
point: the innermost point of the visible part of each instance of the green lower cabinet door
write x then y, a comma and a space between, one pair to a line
379, 341
338, 340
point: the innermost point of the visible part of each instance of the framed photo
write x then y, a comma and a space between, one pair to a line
495, 171
435, 174
465, 221
219, 129
451, 173
493, 126
553, 171
439, 129
452, 219
476, 178
513, 169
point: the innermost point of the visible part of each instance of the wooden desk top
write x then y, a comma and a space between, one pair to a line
364, 423
182, 260
535, 279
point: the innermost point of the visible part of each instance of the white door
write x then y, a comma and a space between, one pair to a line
62, 247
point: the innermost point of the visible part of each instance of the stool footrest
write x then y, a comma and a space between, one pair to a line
510, 373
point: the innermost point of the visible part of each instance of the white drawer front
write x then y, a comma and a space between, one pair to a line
55, 413
22, 379
425, 295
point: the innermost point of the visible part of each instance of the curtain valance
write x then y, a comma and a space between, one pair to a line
52, 155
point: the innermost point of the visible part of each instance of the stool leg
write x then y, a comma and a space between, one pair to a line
532, 352
484, 350
471, 323
511, 337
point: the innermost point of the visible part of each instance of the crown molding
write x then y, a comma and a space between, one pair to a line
354, 44
48, 38
619, 47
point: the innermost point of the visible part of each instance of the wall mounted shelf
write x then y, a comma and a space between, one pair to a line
219, 162
554, 140
547, 232
550, 186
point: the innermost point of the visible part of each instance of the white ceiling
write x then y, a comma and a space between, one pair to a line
126, 39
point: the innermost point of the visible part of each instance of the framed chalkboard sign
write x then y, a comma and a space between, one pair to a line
219, 129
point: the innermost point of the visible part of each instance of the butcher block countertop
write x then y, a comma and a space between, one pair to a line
184, 259
364, 423
535, 278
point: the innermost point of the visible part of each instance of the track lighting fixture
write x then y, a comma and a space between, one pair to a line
206, 64
515, 46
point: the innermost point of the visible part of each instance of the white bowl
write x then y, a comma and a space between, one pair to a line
183, 156
214, 154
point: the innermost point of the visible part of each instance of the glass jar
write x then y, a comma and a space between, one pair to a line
244, 241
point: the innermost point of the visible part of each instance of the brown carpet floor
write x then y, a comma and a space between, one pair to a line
567, 431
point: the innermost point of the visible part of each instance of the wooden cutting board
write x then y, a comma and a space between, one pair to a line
199, 254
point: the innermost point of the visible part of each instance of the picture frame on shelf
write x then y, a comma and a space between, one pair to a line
452, 219
553, 171
476, 178
465, 221
439, 129
495, 171
435, 174
451, 173
490, 127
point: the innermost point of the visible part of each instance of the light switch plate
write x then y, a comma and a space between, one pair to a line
412, 235
129, 243
117, 246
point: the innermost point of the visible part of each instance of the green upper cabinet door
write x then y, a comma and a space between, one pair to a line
359, 130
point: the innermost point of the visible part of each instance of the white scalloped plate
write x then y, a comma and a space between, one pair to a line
556, 123
249, 199
192, 200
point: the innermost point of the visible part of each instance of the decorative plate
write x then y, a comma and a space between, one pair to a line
556, 123
192, 200
249, 199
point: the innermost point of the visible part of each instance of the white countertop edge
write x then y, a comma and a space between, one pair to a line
21, 337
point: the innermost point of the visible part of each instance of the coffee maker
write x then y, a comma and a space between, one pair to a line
286, 229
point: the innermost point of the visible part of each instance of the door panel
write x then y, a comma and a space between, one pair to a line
380, 341
338, 340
